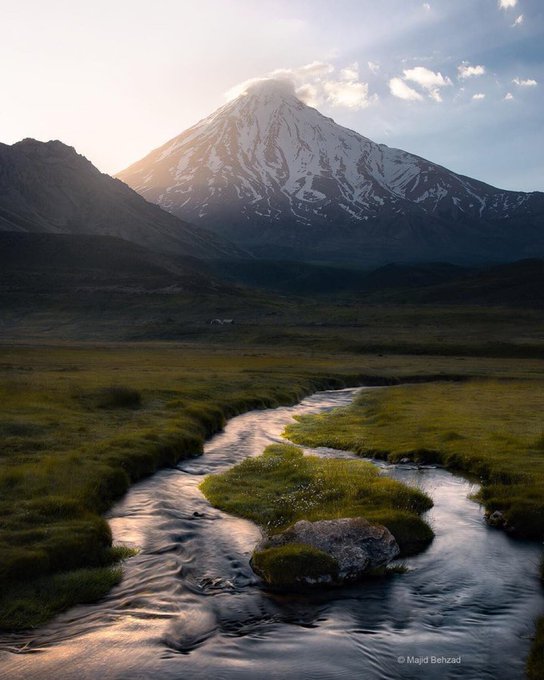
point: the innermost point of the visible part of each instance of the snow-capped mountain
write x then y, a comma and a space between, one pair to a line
278, 177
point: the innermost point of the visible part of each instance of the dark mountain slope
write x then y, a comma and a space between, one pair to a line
43, 263
303, 278
519, 284
48, 187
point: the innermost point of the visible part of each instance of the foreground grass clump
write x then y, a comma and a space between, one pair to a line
119, 396
283, 486
491, 430
285, 565
32, 604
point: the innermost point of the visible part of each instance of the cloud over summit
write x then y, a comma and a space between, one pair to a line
319, 82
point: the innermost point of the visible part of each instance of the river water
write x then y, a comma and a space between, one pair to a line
190, 608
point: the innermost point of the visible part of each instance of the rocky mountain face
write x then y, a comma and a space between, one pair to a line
279, 178
48, 187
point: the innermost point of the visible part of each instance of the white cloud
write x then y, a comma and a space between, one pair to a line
314, 69
349, 94
429, 80
318, 83
518, 21
240, 88
426, 78
507, 4
426, 6
525, 83
373, 66
308, 72
478, 96
350, 72
508, 97
401, 90
465, 70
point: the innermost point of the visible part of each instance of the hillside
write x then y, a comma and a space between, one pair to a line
49, 188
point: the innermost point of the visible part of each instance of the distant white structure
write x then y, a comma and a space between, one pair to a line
221, 322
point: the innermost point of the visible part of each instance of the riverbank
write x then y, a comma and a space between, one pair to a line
191, 589
75, 443
489, 430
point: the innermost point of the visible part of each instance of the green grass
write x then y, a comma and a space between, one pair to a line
283, 486
79, 424
118, 396
28, 605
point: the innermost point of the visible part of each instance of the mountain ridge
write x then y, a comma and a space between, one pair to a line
48, 187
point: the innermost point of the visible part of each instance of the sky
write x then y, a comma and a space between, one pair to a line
459, 82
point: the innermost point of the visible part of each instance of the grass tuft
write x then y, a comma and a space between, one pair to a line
29, 605
291, 564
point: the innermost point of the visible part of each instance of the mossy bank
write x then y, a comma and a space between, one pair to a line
487, 429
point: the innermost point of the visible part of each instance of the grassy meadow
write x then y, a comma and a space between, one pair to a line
80, 423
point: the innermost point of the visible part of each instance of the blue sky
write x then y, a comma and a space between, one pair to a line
460, 82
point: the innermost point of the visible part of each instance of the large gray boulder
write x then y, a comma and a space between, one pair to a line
355, 544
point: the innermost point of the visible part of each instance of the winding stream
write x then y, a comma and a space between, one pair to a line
189, 606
